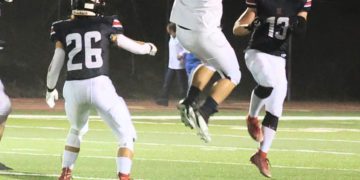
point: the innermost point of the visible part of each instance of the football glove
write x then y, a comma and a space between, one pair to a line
257, 22
153, 49
51, 97
298, 25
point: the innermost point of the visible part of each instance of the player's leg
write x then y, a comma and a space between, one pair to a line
273, 106
77, 111
5, 109
183, 81
164, 94
259, 65
115, 113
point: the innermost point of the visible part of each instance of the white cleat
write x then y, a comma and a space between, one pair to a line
187, 114
202, 127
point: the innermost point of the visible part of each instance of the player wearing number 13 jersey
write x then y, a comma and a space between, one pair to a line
270, 23
82, 43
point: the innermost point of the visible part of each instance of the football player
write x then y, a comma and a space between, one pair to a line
5, 105
82, 43
270, 23
198, 30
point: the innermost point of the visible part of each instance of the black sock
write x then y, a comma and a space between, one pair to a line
194, 92
208, 108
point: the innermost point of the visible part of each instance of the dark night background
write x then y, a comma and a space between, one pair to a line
325, 64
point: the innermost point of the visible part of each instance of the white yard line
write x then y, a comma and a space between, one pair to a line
314, 130
311, 118
202, 147
190, 161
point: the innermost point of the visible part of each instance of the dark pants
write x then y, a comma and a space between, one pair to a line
169, 79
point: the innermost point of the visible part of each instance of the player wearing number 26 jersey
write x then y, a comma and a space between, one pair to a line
82, 44
270, 23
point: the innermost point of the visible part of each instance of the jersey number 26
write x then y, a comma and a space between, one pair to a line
89, 52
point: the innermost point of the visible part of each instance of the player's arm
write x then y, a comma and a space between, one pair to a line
298, 23
244, 25
136, 47
53, 74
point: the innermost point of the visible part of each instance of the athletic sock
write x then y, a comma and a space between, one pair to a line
123, 165
194, 92
256, 104
69, 159
208, 108
269, 135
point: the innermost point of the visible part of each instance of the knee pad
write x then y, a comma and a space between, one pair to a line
127, 143
270, 121
74, 137
263, 92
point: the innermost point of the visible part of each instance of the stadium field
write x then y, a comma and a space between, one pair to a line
319, 144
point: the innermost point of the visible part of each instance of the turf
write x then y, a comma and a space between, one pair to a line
167, 150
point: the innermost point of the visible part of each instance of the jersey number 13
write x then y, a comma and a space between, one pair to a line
93, 57
278, 27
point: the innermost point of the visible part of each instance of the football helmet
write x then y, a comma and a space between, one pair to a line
87, 7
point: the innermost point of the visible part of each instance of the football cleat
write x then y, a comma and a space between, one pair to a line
65, 174
202, 127
262, 163
187, 114
254, 128
124, 176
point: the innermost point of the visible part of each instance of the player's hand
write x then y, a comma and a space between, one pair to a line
51, 97
153, 49
9, 1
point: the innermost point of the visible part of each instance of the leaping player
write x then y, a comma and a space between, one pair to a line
270, 23
198, 30
82, 43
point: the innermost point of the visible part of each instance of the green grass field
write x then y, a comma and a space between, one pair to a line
303, 149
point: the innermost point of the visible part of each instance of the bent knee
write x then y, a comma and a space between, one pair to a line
234, 77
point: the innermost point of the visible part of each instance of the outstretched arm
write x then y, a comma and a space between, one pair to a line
53, 74
136, 47
243, 25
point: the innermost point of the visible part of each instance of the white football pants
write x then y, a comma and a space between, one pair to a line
213, 49
269, 71
98, 92
5, 104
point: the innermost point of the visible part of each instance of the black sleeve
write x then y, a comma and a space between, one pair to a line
116, 26
55, 31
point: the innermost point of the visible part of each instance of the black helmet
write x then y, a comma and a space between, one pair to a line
87, 7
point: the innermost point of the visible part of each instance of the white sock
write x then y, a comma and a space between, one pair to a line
269, 135
256, 104
123, 165
69, 159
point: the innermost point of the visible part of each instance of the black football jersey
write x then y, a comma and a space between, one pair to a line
272, 35
86, 41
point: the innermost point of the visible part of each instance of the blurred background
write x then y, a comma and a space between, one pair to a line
325, 65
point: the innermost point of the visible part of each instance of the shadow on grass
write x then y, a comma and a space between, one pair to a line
7, 173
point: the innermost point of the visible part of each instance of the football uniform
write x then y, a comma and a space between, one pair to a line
5, 104
272, 35
267, 49
198, 30
86, 43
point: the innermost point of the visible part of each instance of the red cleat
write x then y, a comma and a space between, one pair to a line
65, 174
124, 176
262, 163
254, 128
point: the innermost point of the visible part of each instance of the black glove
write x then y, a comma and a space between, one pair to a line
257, 22
298, 25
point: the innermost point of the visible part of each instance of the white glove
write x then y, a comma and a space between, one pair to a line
51, 97
9, 1
153, 49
